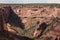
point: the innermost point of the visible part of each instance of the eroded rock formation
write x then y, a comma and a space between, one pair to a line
27, 21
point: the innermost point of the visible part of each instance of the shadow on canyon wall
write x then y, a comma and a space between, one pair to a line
12, 36
14, 20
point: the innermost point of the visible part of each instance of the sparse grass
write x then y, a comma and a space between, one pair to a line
30, 31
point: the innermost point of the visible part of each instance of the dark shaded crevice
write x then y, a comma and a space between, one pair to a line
14, 20
56, 38
42, 27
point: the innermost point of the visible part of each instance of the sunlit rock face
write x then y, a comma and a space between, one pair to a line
38, 14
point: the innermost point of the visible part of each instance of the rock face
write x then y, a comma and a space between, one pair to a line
26, 21
38, 14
